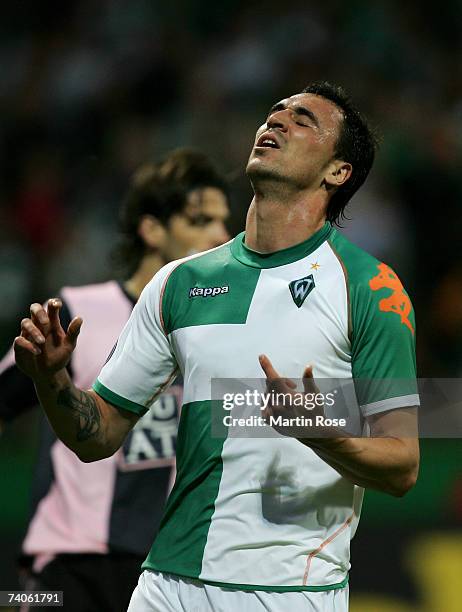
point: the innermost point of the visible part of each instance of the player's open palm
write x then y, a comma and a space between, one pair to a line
44, 347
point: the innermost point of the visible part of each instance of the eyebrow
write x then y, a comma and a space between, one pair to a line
300, 110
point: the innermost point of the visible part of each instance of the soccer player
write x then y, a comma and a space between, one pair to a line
92, 523
257, 523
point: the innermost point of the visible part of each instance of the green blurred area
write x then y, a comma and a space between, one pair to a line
18, 448
432, 502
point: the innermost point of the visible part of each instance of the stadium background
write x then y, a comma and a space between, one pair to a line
88, 90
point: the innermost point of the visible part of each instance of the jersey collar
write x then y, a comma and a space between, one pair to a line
279, 258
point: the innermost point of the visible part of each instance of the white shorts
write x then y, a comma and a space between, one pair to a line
167, 593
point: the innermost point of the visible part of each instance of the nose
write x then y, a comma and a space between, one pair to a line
278, 119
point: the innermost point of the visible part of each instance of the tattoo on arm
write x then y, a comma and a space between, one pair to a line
84, 409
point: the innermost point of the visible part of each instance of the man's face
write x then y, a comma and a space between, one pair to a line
200, 226
297, 142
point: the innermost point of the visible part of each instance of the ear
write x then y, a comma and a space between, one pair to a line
338, 172
151, 231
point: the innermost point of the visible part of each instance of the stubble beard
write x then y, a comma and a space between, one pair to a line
262, 176
267, 180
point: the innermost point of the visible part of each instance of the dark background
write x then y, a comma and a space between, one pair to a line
88, 90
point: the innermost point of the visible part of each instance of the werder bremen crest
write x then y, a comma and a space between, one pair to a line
301, 288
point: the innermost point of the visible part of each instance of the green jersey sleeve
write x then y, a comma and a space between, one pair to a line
382, 331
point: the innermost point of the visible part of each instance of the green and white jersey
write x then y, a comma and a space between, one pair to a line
261, 513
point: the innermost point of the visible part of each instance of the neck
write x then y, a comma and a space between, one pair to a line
274, 224
149, 265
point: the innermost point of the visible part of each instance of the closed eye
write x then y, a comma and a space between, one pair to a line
303, 116
307, 114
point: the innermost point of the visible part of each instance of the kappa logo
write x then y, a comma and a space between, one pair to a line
301, 288
207, 291
398, 302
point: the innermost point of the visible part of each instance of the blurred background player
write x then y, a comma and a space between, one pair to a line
92, 523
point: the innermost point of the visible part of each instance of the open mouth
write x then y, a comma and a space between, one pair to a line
267, 142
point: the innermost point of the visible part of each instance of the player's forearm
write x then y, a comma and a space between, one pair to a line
76, 416
385, 464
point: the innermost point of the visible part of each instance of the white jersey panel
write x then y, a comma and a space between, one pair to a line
279, 493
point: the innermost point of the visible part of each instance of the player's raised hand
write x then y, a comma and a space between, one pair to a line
274, 381
277, 382
293, 404
43, 346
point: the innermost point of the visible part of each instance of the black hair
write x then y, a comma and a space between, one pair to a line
160, 189
356, 144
